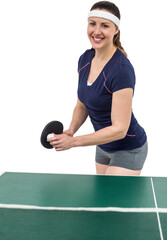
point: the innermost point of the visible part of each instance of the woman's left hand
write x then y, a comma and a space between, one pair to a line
62, 142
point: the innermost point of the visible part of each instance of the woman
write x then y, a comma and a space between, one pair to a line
105, 91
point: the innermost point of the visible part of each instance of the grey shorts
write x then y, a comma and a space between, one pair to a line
131, 159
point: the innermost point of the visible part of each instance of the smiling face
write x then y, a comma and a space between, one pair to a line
101, 32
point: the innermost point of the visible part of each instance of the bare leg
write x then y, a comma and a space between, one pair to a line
101, 168
112, 170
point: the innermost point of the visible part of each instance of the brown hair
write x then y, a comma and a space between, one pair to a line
111, 7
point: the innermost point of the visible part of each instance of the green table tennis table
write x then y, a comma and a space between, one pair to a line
40, 206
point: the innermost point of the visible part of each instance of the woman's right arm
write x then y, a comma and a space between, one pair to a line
79, 116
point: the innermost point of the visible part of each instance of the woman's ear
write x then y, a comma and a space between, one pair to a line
116, 30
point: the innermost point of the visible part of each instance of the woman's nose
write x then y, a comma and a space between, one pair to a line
97, 30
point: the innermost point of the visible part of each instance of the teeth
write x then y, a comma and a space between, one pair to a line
97, 39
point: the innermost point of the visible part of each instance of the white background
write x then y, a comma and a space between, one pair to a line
40, 43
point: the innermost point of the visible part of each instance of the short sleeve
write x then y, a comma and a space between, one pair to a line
83, 59
79, 62
125, 78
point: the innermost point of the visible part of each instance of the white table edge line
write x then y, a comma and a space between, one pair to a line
94, 209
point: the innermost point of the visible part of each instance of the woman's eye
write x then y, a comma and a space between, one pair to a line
105, 26
92, 24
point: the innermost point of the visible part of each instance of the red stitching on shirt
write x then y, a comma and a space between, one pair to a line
84, 66
130, 135
105, 83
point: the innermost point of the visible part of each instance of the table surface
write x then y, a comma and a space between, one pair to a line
115, 196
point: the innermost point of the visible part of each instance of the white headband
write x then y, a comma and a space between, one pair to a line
106, 15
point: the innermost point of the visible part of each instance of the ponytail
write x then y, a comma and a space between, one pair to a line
117, 43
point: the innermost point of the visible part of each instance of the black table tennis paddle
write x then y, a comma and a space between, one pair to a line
52, 127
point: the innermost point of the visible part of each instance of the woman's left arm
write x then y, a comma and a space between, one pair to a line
120, 116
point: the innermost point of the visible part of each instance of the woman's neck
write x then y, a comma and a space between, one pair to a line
103, 54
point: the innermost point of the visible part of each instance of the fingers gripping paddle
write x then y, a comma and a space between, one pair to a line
52, 127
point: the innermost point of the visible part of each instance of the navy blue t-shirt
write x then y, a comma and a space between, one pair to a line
117, 74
